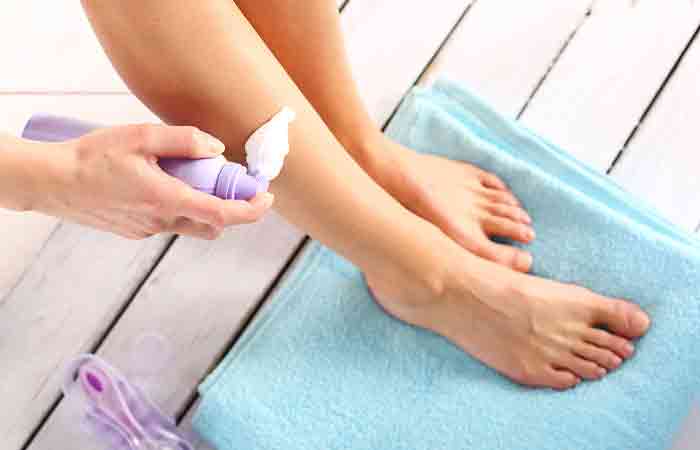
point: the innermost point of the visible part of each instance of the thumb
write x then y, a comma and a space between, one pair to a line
179, 142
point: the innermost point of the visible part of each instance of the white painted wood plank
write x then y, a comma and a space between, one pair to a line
24, 234
115, 109
60, 307
609, 73
391, 42
49, 46
197, 298
662, 162
502, 49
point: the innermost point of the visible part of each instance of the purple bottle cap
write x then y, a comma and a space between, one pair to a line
235, 183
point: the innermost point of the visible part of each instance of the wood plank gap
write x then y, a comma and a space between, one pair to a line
103, 336
248, 320
432, 58
656, 96
29, 266
555, 60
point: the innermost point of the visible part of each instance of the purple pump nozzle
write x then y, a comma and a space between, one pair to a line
216, 176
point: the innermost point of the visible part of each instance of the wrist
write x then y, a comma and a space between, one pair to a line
47, 174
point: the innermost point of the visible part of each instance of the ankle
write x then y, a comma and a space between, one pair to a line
426, 276
371, 150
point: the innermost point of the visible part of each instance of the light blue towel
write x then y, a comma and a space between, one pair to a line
322, 367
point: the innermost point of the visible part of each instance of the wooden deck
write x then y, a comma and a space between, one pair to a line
613, 81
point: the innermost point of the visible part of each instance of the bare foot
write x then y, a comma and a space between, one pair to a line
466, 203
534, 331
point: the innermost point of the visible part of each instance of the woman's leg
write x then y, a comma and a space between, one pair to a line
466, 203
202, 63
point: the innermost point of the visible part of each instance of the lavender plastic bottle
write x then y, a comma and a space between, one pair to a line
216, 176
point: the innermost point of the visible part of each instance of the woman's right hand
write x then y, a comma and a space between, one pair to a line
109, 179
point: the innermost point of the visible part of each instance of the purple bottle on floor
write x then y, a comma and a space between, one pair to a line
216, 176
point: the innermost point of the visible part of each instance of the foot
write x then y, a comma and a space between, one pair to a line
466, 203
534, 331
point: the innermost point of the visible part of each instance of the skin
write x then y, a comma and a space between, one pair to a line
466, 203
109, 180
535, 331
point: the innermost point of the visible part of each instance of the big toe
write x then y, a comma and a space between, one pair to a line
623, 318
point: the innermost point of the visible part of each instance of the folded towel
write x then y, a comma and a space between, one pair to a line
322, 367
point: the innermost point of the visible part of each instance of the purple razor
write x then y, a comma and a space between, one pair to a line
118, 412
216, 176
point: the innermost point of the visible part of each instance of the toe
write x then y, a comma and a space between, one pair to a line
603, 339
498, 196
621, 317
561, 379
504, 255
513, 213
603, 357
489, 180
502, 227
583, 368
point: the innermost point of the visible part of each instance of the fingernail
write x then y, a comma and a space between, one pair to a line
212, 142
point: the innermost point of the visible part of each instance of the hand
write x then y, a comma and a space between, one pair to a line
110, 180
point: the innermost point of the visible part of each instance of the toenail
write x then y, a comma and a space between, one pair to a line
616, 361
530, 234
602, 372
524, 260
629, 348
526, 218
640, 321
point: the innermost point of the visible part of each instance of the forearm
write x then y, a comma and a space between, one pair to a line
202, 64
25, 170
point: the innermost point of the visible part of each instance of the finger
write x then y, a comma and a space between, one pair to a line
221, 213
187, 227
176, 141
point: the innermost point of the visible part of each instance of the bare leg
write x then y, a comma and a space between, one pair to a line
202, 63
466, 203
